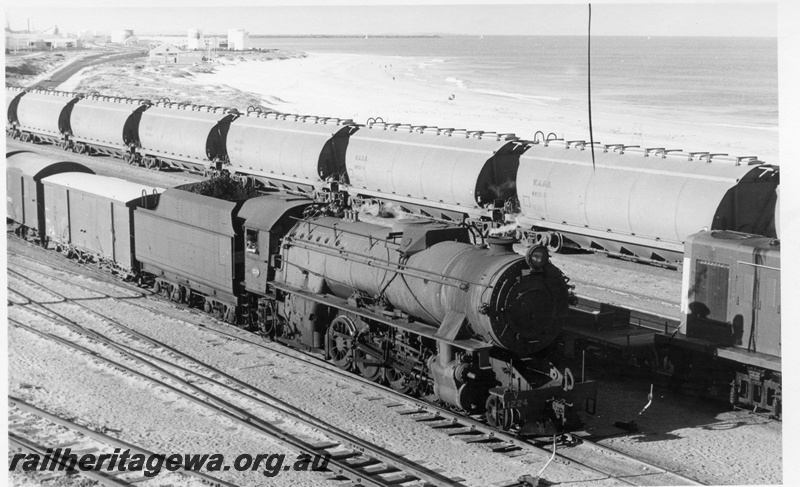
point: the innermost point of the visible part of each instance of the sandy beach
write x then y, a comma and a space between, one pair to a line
362, 86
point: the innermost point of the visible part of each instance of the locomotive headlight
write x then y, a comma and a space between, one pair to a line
537, 257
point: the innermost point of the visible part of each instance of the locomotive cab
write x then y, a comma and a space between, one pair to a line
266, 220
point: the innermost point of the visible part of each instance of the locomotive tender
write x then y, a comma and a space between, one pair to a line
416, 306
640, 203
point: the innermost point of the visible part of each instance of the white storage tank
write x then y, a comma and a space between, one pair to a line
195, 39
236, 39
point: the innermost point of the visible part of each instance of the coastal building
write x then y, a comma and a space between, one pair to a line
236, 39
37, 42
169, 54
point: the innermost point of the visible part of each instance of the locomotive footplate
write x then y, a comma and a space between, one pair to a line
541, 412
416, 328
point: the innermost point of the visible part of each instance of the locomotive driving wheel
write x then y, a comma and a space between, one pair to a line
398, 381
340, 342
368, 366
497, 416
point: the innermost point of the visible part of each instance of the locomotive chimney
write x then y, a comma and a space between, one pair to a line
500, 245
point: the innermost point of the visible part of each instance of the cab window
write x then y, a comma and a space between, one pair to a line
251, 241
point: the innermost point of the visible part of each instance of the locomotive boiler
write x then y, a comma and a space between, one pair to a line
420, 307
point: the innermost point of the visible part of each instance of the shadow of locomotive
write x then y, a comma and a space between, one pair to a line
668, 413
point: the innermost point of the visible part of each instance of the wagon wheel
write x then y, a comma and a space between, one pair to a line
498, 417
177, 294
217, 313
399, 381
340, 342
207, 306
556, 242
229, 315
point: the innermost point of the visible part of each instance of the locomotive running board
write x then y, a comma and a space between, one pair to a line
421, 329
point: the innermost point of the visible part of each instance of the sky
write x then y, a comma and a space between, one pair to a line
380, 17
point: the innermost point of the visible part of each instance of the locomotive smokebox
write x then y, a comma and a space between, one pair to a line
502, 300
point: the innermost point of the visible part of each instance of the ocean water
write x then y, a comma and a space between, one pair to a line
726, 81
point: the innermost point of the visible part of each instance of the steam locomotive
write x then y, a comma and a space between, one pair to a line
413, 304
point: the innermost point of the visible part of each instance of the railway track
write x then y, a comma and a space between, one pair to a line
581, 453
360, 461
84, 441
